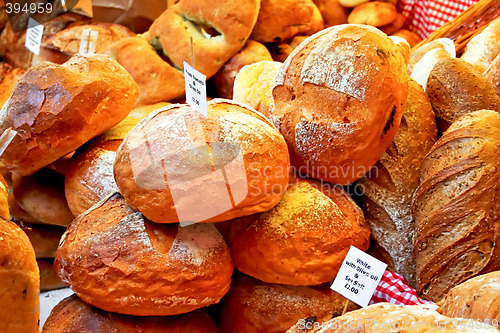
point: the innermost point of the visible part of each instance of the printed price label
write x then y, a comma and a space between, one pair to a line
34, 35
358, 276
196, 89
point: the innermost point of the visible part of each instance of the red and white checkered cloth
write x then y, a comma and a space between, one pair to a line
425, 16
392, 288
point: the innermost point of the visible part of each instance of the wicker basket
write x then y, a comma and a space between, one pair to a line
467, 25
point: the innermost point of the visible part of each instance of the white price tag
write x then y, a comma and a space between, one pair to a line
358, 276
34, 35
196, 89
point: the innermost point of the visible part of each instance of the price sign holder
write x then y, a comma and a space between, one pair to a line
358, 276
196, 89
34, 35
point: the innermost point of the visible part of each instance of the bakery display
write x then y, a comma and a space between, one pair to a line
457, 232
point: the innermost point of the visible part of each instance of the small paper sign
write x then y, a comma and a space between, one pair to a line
358, 276
34, 35
196, 89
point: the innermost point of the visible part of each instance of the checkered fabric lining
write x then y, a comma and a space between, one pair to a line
393, 289
425, 16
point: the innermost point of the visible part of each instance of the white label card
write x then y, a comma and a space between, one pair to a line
196, 89
34, 35
358, 276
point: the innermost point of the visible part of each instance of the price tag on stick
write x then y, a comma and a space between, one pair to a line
34, 35
196, 89
358, 276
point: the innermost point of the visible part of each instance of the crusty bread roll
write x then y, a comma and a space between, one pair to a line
411, 37
484, 48
388, 318
4, 199
41, 196
444, 44
44, 239
457, 233
281, 51
252, 306
389, 186
280, 20
56, 108
375, 13
337, 110
19, 281
72, 315
425, 65
253, 86
49, 280
492, 74
209, 32
477, 298
455, 88
117, 260
332, 11
245, 170
395, 25
8, 79
17, 214
251, 52
303, 240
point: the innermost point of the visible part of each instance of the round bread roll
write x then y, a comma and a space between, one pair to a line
41, 195
477, 298
117, 260
44, 239
231, 164
72, 315
4, 199
49, 280
484, 48
389, 318
303, 240
218, 30
252, 52
395, 25
252, 306
54, 109
411, 37
332, 11
457, 233
444, 44
143, 62
492, 74
8, 79
19, 281
280, 20
455, 87
337, 110
375, 13
424, 67
253, 86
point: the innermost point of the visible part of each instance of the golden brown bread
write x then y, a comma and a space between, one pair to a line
56, 108
352, 3
164, 177
280, 20
332, 11
49, 280
477, 298
484, 47
139, 113
4, 199
44, 239
117, 260
303, 240
252, 306
218, 30
250, 53
72, 315
19, 281
8, 79
492, 74
375, 13
395, 25
457, 233
337, 110
389, 318
253, 86
455, 88
411, 37
41, 196
389, 186
444, 44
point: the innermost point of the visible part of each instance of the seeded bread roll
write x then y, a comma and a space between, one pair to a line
72, 315
117, 260
457, 234
19, 281
389, 186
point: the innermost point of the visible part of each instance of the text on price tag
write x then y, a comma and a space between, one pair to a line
196, 89
358, 276
34, 35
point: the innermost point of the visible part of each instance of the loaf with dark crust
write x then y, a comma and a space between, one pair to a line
456, 205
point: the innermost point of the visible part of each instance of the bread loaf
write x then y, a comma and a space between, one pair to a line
337, 110
492, 74
411, 37
389, 186
245, 170
457, 234
281, 51
443, 44
19, 281
482, 49
117, 260
54, 109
